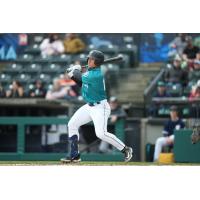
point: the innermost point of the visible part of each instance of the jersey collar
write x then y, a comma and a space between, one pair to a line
93, 68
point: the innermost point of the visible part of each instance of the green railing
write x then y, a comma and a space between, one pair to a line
21, 122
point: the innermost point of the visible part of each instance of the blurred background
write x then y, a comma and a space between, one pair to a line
37, 98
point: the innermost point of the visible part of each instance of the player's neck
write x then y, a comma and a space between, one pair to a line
92, 67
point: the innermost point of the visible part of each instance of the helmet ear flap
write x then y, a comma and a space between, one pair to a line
96, 62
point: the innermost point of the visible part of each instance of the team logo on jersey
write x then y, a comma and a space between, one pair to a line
85, 85
86, 74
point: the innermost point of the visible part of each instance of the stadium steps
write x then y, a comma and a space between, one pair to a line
132, 83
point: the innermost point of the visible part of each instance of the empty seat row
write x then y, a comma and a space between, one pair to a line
34, 68
6, 79
65, 59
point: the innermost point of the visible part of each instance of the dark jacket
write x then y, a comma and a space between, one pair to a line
176, 75
170, 126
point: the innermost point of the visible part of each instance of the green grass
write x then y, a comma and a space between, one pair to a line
88, 163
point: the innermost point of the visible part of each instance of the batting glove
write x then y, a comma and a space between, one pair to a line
78, 67
69, 69
71, 73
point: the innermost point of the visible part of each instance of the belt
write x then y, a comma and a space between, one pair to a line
94, 104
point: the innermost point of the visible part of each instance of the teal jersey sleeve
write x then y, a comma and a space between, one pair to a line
93, 86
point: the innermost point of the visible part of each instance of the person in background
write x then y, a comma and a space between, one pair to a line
161, 92
52, 45
190, 52
73, 44
174, 123
38, 91
74, 89
57, 92
195, 95
17, 90
117, 112
195, 92
66, 81
194, 75
178, 44
175, 74
2, 92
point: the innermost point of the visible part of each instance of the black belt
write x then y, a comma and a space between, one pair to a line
94, 104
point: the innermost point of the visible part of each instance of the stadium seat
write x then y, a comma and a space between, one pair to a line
175, 90
185, 112
51, 69
5, 78
24, 78
8, 86
38, 38
42, 59
110, 49
33, 49
49, 87
80, 57
163, 112
25, 58
13, 68
126, 61
27, 89
61, 59
44, 78
186, 91
32, 68
112, 67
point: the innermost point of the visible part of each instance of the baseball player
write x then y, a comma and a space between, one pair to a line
174, 123
96, 108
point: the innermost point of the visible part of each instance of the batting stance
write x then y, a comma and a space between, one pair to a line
96, 109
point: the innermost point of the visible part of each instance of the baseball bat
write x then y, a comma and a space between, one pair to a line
114, 59
109, 60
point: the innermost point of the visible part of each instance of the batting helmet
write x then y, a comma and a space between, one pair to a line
98, 57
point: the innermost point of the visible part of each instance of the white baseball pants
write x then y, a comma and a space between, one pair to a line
99, 115
160, 143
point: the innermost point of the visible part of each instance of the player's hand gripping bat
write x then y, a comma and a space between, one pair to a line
77, 73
